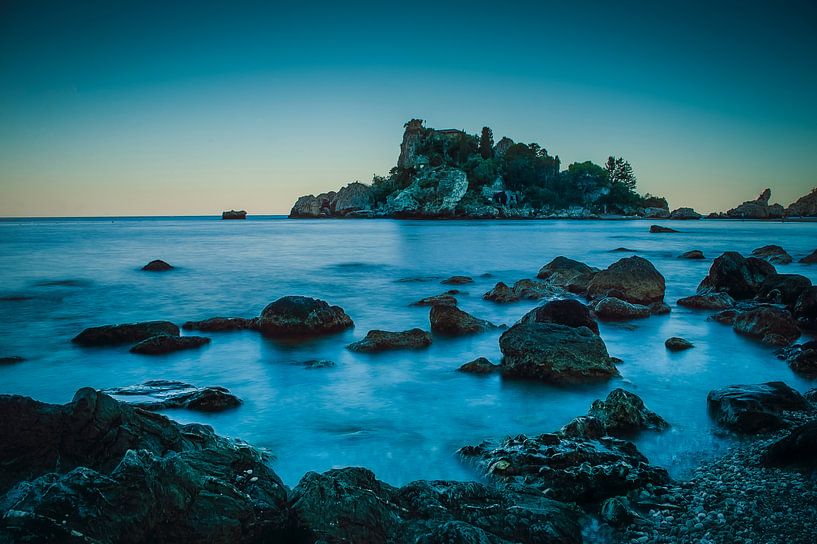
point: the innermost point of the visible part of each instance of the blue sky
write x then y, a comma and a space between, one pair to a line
132, 108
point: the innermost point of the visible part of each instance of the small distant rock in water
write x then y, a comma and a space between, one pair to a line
751, 409
166, 394
458, 280
377, 340
14, 359
480, 365
692, 254
773, 253
417, 279
677, 343
656, 229
234, 214
219, 324
684, 214
623, 250
163, 343
157, 266
453, 321
810, 259
106, 335
445, 299
318, 363
302, 316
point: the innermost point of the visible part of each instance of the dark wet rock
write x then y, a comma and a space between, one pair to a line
797, 449
751, 409
417, 279
708, 301
659, 308
501, 293
555, 353
805, 308
567, 311
805, 206
351, 505
98, 470
318, 363
11, 360
220, 324
164, 343
444, 299
234, 214
633, 279
614, 309
166, 394
801, 358
377, 340
568, 274
453, 321
458, 280
727, 317
157, 266
571, 469
658, 229
124, 334
740, 277
302, 316
677, 343
583, 427
623, 413
810, 258
772, 253
524, 289
767, 323
692, 254
783, 288
684, 214
480, 365
617, 512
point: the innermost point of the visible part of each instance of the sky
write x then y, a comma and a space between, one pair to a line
189, 108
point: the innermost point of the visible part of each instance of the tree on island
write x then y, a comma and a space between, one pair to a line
620, 171
486, 143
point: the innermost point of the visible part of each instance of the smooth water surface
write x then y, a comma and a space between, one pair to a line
403, 414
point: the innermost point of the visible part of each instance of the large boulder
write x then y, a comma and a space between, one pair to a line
351, 505
569, 468
567, 311
97, 470
740, 277
757, 209
568, 274
302, 316
450, 320
377, 340
166, 394
708, 301
555, 353
354, 197
623, 413
797, 449
633, 279
783, 288
771, 324
772, 253
126, 333
750, 409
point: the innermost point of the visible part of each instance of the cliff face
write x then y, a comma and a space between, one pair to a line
805, 206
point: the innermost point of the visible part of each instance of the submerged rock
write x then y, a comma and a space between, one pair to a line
555, 353
772, 253
445, 299
377, 340
623, 413
751, 409
692, 254
458, 280
797, 449
11, 360
220, 324
351, 505
453, 321
810, 258
633, 279
708, 301
164, 343
568, 274
318, 363
567, 311
157, 266
125, 333
302, 316
677, 343
614, 309
165, 394
658, 229
769, 323
98, 470
571, 469
741, 278
481, 365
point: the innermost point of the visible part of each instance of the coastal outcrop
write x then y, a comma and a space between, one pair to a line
302, 316
684, 214
450, 320
805, 206
377, 340
752, 409
108, 335
166, 394
757, 209
632, 279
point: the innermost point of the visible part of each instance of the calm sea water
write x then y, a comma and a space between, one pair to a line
403, 414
